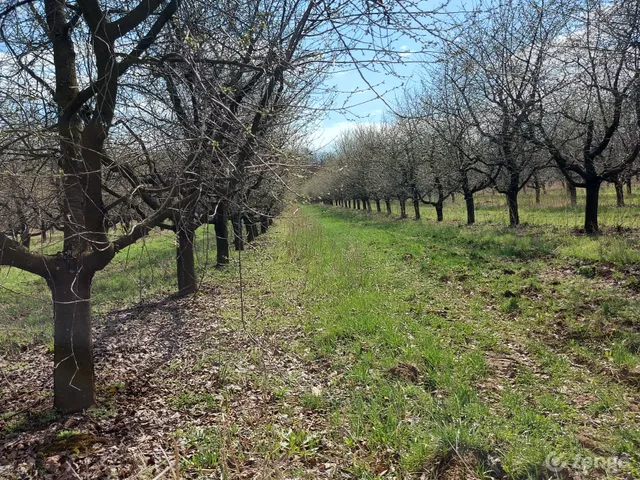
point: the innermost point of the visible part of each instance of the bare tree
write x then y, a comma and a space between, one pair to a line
597, 98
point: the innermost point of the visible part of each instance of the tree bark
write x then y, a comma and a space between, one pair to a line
185, 259
378, 208
416, 206
25, 239
251, 231
358, 204
238, 236
403, 207
439, 211
73, 375
629, 186
573, 194
619, 193
387, 203
537, 187
512, 203
264, 223
471, 208
453, 197
591, 209
221, 227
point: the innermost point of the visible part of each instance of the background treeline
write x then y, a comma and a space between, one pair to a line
518, 94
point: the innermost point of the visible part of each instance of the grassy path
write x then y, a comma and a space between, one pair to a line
457, 348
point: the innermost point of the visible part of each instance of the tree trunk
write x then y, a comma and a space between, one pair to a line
416, 208
358, 204
238, 236
453, 197
573, 194
251, 231
619, 193
591, 210
73, 375
264, 223
378, 208
439, 211
25, 239
629, 186
387, 203
512, 203
185, 259
403, 208
221, 226
471, 208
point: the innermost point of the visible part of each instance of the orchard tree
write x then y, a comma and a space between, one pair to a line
495, 61
591, 124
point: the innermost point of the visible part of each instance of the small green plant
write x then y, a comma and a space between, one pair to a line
587, 271
510, 305
299, 442
312, 401
206, 442
187, 399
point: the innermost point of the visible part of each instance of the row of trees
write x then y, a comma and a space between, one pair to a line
121, 117
518, 92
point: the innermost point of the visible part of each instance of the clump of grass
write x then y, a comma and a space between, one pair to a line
207, 445
188, 399
311, 401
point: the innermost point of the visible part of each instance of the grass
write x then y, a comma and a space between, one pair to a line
141, 272
505, 327
438, 342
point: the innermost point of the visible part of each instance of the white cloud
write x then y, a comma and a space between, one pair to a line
325, 137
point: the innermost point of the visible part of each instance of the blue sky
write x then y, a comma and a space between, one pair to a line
358, 103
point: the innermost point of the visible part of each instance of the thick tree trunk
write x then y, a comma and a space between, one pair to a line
387, 203
471, 208
619, 194
512, 203
221, 226
591, 209
73, 375
573, 194
238, 236
264, 223
378, 208
439, 211
185, 260
403, 208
